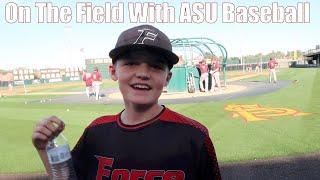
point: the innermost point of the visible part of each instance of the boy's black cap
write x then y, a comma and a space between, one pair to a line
144, 37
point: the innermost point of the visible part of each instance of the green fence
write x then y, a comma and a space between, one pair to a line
178, 82
103, 68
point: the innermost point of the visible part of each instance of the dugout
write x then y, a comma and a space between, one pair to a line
312, 57
188, 50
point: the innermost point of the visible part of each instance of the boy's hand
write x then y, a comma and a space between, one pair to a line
46, 130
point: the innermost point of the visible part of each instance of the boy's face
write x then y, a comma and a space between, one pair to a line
141, 76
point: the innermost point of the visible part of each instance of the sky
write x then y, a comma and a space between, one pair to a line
66, 44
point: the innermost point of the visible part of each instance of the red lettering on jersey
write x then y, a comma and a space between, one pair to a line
103, 162
174, 175
154, 173
120, 174
138, 174
125, 174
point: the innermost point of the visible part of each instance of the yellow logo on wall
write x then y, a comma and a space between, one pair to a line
255, 112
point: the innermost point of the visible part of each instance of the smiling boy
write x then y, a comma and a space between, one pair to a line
146, 140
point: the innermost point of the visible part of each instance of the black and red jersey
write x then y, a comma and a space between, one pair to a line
169, 146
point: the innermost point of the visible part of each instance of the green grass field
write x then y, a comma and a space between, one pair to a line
234, 139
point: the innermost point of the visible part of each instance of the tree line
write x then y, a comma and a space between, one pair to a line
294, 55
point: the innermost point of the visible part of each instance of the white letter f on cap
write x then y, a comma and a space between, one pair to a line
145, 34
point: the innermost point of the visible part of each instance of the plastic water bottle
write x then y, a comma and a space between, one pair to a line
60, 160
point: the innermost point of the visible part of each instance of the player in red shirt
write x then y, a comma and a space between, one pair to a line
96, 82
257, 68
146, 140
272, 70
86, 77
215, 73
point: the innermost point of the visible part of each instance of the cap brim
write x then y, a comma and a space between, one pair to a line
168, 55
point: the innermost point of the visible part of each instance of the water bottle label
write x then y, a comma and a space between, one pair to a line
59, 154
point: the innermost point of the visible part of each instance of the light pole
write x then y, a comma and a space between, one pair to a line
260, 63
68, 49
